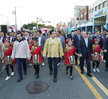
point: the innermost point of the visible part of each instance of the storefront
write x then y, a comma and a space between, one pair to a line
100, 20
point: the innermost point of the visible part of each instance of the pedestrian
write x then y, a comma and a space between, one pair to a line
62, 40
7, 59
70, 51
41, 41
85, 51
77, 36
37, 58
45, 34
21, 53
96, 55
106, 51
1, 55
53, 50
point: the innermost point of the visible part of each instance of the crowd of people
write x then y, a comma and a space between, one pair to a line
24, 48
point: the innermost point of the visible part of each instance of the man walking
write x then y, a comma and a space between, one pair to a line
85, 51
21, 52
53, 50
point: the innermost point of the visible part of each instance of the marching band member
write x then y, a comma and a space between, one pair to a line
69, 52
96, 55
36, 56
7, 59
1, 55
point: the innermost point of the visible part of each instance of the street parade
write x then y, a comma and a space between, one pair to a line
66, 61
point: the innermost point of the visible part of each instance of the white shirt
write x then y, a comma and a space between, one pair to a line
86, 41
39, 39
1, 38
10, 38
53, 39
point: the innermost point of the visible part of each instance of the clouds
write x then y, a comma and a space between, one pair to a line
52, 10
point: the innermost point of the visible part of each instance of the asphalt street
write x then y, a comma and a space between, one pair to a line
81, 87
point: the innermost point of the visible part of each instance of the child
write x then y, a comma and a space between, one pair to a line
8, 51
96, 55
69, 51
36, 50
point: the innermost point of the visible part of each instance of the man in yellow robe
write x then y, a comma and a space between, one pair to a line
53, 50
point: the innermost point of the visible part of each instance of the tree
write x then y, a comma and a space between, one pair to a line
33, 24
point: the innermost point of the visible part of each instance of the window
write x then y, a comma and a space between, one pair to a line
92, 10
99, 7
104, 4
96, 8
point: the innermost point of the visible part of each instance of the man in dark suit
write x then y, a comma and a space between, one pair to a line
45, 34
41, 40
12, 37
106, 51
85, 51
66, 36
100, 38
2, 37
76, 38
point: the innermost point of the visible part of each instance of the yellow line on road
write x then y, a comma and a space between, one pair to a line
105, 90
91, 87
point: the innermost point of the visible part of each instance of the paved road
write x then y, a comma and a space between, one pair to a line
82, 87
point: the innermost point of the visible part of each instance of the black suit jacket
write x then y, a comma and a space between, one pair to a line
83, 49
76, 41
106, 45
66, 36
45, 35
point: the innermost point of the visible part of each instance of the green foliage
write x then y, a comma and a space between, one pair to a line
33, 24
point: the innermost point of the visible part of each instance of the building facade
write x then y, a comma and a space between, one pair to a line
97, 17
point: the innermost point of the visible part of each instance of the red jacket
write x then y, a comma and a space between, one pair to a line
37, 52
71, 52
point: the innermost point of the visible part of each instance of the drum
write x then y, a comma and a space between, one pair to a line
35, 59
95, 56
8, 60
72, 60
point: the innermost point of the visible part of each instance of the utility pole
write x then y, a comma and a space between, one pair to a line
15, 20
37, 23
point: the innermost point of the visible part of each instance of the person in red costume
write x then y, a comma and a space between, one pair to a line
70, 50
96, 55
36, 50
8, 51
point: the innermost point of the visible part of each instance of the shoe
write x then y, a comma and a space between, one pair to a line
25, 73
58, 64
66, 72
94, 70
97, 69
43, 64
12, 73
71, 77
90, 75
19, 80
37, 76
55, 80
82, 72
103, 61
7, 78
106, 69
50, 72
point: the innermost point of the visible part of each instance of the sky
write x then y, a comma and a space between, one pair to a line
49, 10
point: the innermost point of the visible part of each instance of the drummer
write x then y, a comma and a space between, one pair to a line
36, 59
70, 51
7, 59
